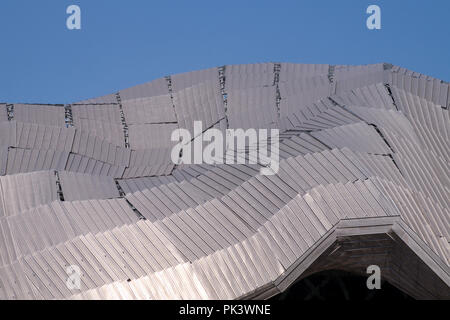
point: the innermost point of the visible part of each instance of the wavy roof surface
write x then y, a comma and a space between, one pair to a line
363, 180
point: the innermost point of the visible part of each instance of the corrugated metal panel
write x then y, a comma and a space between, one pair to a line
15, 285
297, 93
83, 164
78, 186
187, 172
299, 144
431, 228
8, 251
294, 71
40, 114
8, 133
34, 136
320, 115
24, 191
151, 162
221, 125
131, 185
111, 132
202, 102
358, 137
387, 119
185, 194
419, 167
154, 109
160, 136
237, 81
252, 108
59, 222
434, 90
241, 77
250, 263
429, 120
224, 231
104, 112
89, 145
29, 160
271, 193
376, 96
107, 251
380, 166
350, 77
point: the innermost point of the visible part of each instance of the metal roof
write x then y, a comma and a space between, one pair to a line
364, 169
39, 114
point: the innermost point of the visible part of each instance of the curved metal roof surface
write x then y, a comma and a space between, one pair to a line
363, 179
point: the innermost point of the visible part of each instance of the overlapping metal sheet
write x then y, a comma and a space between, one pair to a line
101, 112
237, 81
294, 71
111, 132
8, 133
347, 78
79, 186
84, 164
34, 136
235, 270
30, 160
21, 192
430, 121
249, 76
322, 114
147, 110
252, 108
201, 102
385, 119
160, 133
358, 137
89, 145
59, 222
300, 92
363, 155
149, 162
40, 114
229, 184
300, 143
374, 95
431, 89
135, 184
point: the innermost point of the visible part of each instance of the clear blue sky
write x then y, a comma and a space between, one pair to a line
125, 43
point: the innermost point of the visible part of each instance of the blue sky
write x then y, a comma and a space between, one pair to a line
125, 43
